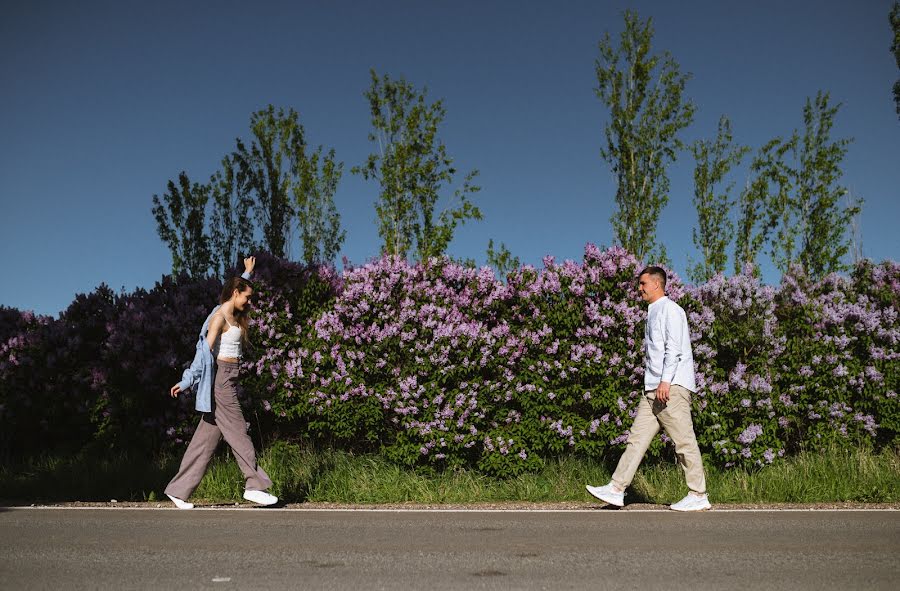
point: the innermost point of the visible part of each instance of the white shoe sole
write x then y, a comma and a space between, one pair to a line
180, 504
608, 500
262, 503
706, 508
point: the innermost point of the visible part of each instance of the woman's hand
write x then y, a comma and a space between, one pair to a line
174, 391
249, 264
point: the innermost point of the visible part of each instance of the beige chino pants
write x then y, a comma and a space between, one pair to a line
229, 423
674, 417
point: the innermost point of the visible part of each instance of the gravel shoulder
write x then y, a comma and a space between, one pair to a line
499, 506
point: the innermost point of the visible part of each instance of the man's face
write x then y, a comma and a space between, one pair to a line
241, 299
648, 287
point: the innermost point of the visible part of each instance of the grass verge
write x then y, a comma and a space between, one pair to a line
837, 475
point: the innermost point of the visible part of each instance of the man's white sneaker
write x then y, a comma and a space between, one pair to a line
607, 494
180, 504
260, 497
692, 502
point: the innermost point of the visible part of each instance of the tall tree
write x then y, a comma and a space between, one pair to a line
758, 210
268, 163
645, 96
412, 166
317, 216
797, 185
713, 161
894, 17
821, 222
180, 222
231, 230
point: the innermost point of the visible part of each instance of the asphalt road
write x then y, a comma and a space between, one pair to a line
272, 549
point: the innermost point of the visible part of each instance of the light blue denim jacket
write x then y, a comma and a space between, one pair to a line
203, 368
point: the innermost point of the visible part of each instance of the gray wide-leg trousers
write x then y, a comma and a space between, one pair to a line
228, 422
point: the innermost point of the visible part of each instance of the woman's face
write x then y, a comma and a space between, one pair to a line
241, 299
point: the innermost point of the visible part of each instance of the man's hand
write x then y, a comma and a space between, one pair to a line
249, 263
174, 391
662, 392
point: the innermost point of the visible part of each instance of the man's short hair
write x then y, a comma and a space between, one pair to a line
657, 272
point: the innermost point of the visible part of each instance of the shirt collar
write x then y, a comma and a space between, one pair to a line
659, 301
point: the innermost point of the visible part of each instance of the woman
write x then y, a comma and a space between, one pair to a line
215, 370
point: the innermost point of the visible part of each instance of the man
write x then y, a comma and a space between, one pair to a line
666, 403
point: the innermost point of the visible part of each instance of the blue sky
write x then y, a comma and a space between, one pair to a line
102, 103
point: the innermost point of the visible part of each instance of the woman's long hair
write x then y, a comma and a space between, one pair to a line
241, 316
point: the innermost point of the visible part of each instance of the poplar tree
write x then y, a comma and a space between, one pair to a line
821, 222
756, 215
794, 200
180, 222
287, 184
411, 166
317, 215
267, 164
231, 229
645, 96
713, 161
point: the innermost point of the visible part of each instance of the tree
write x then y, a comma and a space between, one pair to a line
822, 223
231, 230
644, 94
895, 48
318, 219
273, 156
412, 165
502, 259
795, 198
180, 223
714, 160
757, 215
285, 182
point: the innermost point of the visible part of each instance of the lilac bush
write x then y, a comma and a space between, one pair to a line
48, 375
736, 344
841, 372
439, 365
444, 365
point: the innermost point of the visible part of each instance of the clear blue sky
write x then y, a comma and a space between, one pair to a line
101, 103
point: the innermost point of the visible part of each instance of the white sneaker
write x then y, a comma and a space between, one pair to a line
607, 494
180, 504
692, 502
260, 497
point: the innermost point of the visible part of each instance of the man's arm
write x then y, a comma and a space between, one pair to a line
674, 331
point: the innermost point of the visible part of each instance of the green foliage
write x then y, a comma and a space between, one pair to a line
794, 198
820, 221
411, 166
268, 165
180, 222
303, 474
319, 221
231, 232
714, 161
644, 94
274, 178
501, 259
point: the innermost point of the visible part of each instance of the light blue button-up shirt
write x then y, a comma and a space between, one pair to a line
202, 371
667, 347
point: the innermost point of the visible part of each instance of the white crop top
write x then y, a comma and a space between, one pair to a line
230, 342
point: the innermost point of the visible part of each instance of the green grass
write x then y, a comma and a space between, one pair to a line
339, 477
